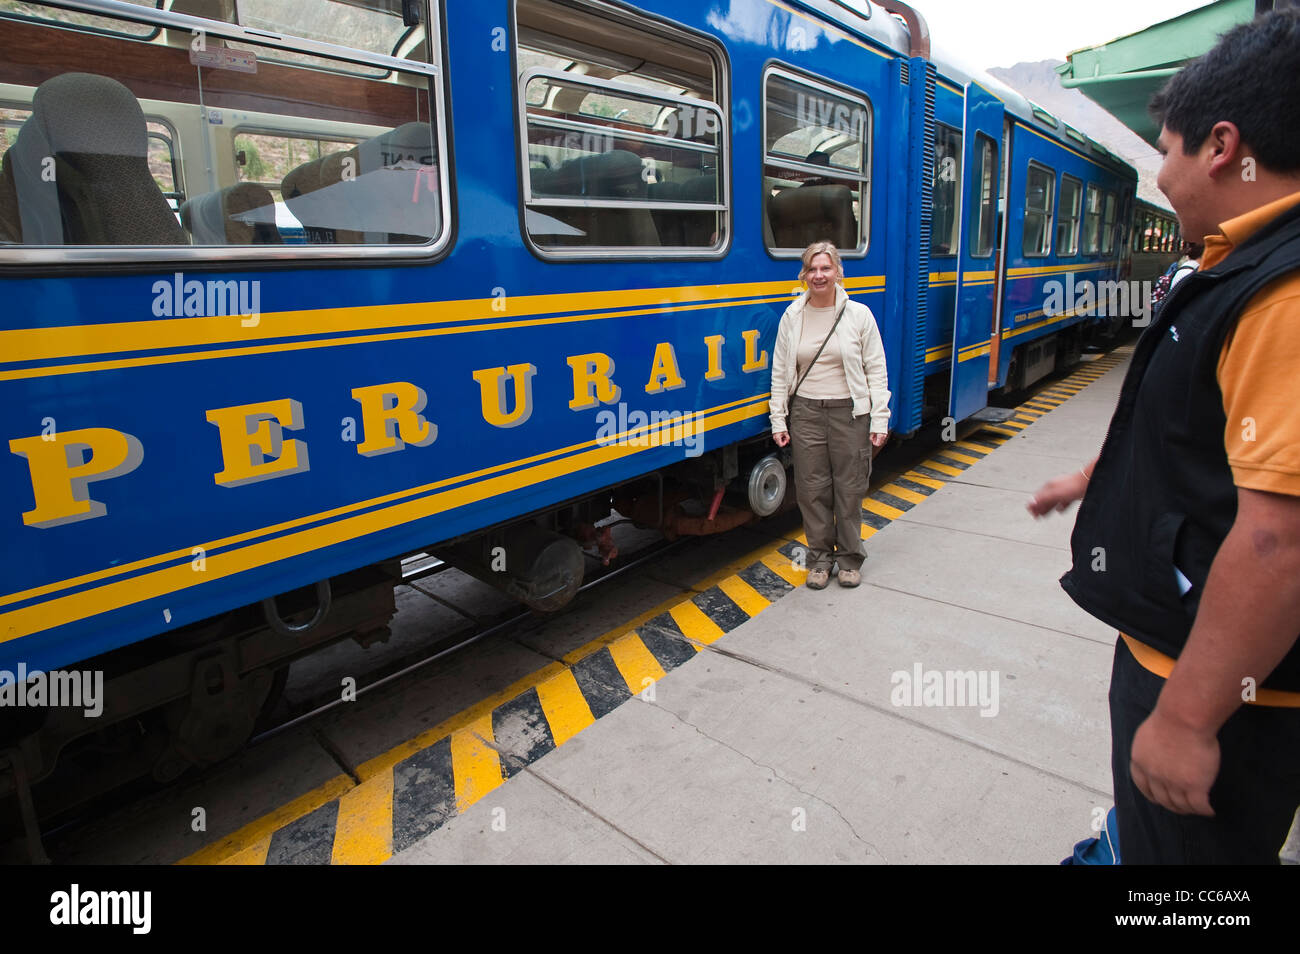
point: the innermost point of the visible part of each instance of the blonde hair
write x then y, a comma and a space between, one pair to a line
822, 248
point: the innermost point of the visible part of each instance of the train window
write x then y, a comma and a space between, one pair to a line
624, 141
944, 223
255, 135
984, 233
1067, 223
1092, 220
816, 165
1040, 184
1108, 224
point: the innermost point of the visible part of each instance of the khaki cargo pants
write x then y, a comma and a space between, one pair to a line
832, 467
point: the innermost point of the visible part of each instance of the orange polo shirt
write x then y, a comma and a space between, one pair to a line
1259, 368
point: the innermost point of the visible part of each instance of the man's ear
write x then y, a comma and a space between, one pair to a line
1225, 148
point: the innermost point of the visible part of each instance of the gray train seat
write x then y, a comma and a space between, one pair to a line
97, 190
683, 227
298, 184
241, 214
616, 174
810, 214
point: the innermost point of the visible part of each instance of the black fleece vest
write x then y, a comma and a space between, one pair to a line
1161, 499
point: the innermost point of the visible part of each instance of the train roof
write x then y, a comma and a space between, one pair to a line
877, 24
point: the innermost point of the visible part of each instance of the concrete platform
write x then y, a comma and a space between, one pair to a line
795, 737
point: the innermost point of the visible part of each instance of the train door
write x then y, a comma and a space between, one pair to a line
977, 253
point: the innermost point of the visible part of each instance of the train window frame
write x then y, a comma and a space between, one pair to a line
1070, 248
431, 82
1091, 190
169, 136
661, 30
955, 246
864, 176
986, 208
1048, 211
1109, 207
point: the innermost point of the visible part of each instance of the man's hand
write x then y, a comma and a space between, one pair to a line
878, 439
1174, 765
782, 438
1245, 625
1058, 493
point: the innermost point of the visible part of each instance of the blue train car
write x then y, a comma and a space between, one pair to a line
1046, 214
293, 290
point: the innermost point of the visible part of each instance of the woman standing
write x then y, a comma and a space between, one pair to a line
828, 374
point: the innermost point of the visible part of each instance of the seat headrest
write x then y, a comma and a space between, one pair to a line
102, 193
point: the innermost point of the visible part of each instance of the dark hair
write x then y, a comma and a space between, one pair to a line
1251, 78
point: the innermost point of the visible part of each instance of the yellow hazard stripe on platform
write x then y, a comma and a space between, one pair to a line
942, 468
637, 664
565, 706
695, 625
882, 509
475, 765
999, 429
364, 828
744, 595
923, 480
780, 564
902, 493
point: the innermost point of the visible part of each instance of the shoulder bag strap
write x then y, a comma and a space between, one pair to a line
838, 316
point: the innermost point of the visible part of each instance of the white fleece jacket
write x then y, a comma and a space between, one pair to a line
864, 361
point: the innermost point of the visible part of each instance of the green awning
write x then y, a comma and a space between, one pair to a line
1121, 76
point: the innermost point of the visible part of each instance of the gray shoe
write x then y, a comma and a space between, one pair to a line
849, 577
818, 577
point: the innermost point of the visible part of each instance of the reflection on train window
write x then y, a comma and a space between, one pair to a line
1040, 183
40, 13
816, 168
162, 161
266, 159
1067, 223
1092, 220
1108, 224
624, 140
224, 143
984, 228
944, 225
11, 120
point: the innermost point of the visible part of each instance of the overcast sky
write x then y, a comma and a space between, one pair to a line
1004, 32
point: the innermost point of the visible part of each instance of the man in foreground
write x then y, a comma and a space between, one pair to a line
1188, 536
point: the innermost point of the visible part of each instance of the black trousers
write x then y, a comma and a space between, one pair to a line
1254, 797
